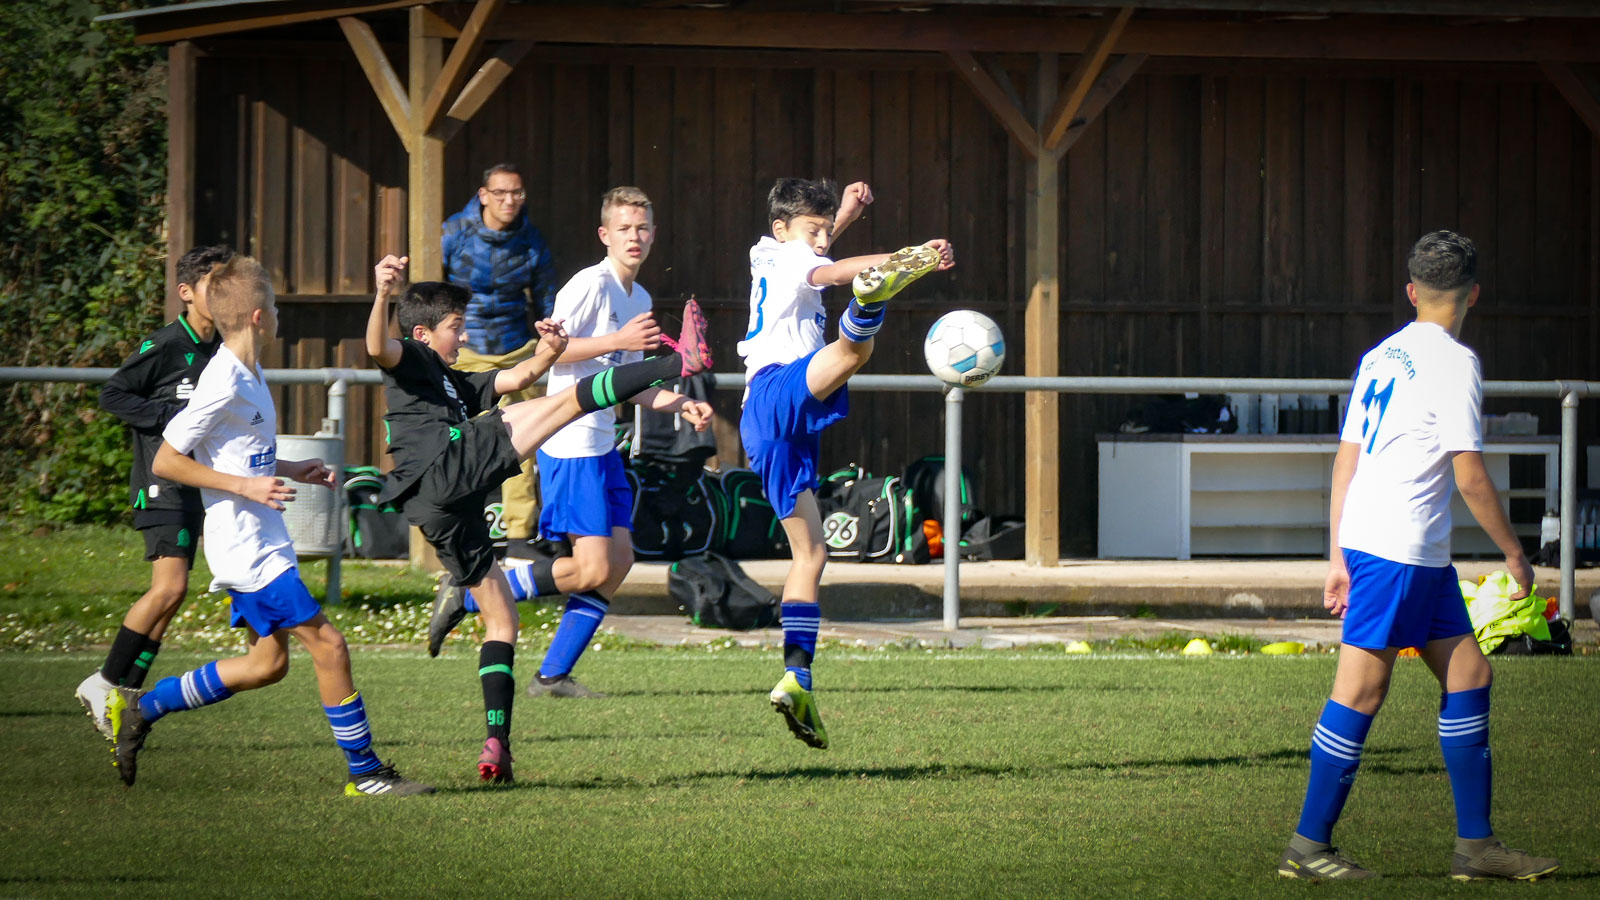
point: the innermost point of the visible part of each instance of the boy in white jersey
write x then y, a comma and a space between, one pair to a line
230, 427
1412, 434
608, 320
795, 388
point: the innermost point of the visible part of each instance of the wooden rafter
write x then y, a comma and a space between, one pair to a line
997, 100
455, 66
1084, 75
380, 74
1578, 91
1106, 87
482, 86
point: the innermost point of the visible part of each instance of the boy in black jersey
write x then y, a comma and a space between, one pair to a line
146, 392
451, 446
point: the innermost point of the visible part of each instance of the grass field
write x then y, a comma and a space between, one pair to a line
970, 773
981, 774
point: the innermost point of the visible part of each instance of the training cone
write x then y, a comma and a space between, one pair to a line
1284, 648
1078, 647
1198, 647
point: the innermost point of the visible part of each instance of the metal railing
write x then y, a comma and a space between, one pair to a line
1568, 392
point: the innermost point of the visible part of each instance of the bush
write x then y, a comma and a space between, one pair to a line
83, 145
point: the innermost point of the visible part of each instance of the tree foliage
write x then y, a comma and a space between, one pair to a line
83, 143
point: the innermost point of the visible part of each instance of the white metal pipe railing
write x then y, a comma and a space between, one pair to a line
1567, 392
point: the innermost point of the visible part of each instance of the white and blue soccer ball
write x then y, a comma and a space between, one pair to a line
964, 348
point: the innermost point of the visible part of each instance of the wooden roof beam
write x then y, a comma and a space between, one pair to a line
1578, 90
941, 32
1084, 75
161, 26
482, 86
998, 101
455, 66
1110, 83
380, 74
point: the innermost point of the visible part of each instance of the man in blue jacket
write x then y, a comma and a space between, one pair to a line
492, 250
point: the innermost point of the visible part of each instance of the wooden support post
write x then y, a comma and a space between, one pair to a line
424, 193
181, 60
1042, 409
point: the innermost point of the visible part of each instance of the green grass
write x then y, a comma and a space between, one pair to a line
976, 774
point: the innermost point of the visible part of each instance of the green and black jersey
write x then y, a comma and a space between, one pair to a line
427, 400
146, 392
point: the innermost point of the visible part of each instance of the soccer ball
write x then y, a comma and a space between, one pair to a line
964, 348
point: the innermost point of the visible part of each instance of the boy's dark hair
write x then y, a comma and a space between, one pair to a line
1443, 261
198, 263
504, 168
792, 197
427, 303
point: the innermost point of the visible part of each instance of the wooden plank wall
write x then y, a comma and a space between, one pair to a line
1219, 219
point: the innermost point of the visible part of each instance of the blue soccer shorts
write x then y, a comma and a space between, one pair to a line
284, 603
782, 429
1398, 605
586, 496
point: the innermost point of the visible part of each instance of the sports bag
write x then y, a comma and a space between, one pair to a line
665, 438
924, 479
673, 515
994, 537
716, 593
867, 519
377, 531
750, 527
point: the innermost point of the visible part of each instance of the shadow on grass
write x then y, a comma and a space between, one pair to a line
911, 689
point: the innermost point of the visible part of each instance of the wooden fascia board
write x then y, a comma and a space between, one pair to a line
1083, 77
454, 72
996, 99
380, 74
941, 32
166, 29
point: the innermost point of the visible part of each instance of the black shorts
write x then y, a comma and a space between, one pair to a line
169, 532
447, 502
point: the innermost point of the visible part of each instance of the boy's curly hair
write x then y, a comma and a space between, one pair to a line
791, 197
427, 303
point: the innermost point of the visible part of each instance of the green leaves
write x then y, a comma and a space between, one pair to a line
82, 187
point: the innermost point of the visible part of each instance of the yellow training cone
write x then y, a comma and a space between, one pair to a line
1284, 648
1197, 647
1078, 647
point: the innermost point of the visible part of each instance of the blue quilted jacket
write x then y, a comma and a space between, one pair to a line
498, 267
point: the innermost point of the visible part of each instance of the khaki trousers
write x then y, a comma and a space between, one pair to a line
519, 495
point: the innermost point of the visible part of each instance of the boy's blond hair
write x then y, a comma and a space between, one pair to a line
624, 196
237, 289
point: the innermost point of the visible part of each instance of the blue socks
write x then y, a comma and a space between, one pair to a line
578, 624
1464, 739
800, 622
1335, 755
522, 587
860, 323
352, 733
191, 690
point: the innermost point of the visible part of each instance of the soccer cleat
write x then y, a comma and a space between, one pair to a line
1321, 865
449, 608
564, 686
494, 763
129, 729
692, 343
876, 284
1489, 858
93, 693
384, 781
800, 711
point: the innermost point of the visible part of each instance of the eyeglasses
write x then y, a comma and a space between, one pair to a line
503, 194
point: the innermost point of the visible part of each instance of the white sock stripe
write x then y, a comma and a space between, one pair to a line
1465, 720
1462, 732
1334, 739
802, 629
191, 693
351, 732
1317, 741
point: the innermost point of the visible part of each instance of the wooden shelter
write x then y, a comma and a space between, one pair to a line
1205, 188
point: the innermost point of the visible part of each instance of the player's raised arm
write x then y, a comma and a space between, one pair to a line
853, 201
390, 275
552, 341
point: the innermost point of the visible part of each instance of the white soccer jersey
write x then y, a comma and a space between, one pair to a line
787, 318
592, 304
231, 425
1418, 399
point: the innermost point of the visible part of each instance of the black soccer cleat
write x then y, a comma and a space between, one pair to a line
449, 608
384, 781
129, 729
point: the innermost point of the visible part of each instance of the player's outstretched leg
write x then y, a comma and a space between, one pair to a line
693, 342
878, 283
532, 422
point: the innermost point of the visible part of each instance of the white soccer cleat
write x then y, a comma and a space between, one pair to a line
92, 693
